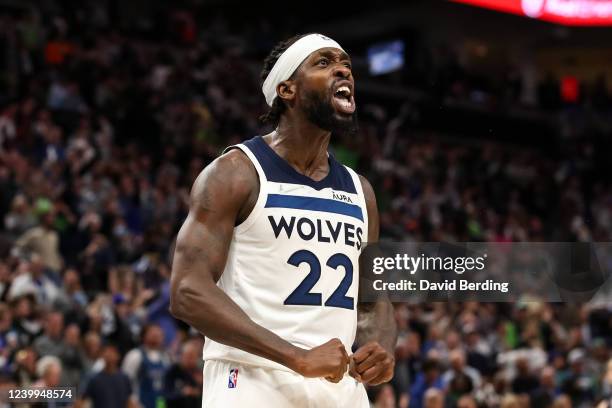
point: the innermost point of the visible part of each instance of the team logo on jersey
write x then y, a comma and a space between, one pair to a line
233, 378
341, 197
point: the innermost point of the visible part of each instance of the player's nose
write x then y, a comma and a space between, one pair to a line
342, 71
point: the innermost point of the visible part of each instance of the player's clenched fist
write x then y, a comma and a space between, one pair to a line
372, 364
329, 360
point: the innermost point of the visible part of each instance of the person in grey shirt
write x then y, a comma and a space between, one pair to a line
51, 342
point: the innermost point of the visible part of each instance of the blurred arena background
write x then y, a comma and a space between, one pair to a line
475, 125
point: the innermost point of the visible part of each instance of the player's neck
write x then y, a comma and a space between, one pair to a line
302, 144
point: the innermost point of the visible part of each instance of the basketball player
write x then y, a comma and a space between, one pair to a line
266, 263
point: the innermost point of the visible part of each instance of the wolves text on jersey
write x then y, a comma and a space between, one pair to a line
318, 229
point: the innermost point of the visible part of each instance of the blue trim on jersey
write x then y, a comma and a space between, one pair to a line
314, 204
279, 171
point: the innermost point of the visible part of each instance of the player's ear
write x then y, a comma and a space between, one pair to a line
286, 90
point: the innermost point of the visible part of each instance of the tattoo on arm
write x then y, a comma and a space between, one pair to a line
192, 254
375, 320
204, 201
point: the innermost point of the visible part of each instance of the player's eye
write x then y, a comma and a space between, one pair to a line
348, 65
323, 62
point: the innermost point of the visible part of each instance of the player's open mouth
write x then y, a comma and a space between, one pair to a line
344, 102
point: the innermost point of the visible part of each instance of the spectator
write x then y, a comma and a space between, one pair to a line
71, 357
109, 387
510, 401
547, 391
124, 323
8, 339
26, 324
20, 218
183, 380
433, 398
5, 280
459, 385
158, 309
466, 401
8, 130
146, 365
478, 351
49, 371
562, 401
524, 382
92, 348
459, 379
598, 353
25, 372
32, 280
71, 297
579, 387
51, 342
429, 378
42, 240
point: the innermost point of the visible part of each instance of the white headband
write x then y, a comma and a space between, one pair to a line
291, 59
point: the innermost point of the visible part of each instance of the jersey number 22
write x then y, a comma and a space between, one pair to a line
302, 295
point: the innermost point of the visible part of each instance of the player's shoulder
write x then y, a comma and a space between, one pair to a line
231, 173
366, 186
234, 162
232, 165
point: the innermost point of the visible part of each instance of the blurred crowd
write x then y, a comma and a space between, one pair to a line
102, 133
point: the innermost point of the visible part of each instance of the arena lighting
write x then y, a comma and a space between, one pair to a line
566, 12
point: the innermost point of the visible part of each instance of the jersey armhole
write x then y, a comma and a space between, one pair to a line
362, 200
262, 194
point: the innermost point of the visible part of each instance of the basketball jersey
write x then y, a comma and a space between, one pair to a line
293, 263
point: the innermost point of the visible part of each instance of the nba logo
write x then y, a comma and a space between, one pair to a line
233, 378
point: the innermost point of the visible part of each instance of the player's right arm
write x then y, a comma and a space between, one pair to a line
222, 196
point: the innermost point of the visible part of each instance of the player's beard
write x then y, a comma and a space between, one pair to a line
320, 111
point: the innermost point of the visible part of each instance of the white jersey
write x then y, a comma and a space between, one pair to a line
293, 263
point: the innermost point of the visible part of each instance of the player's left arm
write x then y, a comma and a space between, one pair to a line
374, 361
